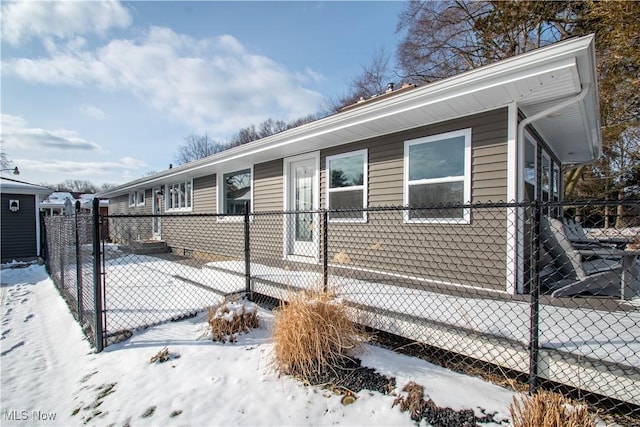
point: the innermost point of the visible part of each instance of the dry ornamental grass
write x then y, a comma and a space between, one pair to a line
546, 409
313, 335
231, 318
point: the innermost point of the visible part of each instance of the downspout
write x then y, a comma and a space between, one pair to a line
534, 313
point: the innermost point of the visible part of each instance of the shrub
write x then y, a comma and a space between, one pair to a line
231, 318
546, 409
314, 336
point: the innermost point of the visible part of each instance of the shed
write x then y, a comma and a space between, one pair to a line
20, 219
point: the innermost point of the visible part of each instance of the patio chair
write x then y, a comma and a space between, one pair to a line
578, 237
586, 268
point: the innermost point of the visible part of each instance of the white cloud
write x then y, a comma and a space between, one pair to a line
83, 169
23, 20
16, 133
93, 112
212, 84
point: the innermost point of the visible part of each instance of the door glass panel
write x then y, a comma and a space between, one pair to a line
303, 202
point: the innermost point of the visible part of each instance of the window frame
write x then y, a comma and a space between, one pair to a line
465, 178
168, 191
137, 198
140, 197
364, 186
220, 194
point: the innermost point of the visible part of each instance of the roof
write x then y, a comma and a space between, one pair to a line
533, 81
13, 186
57, 199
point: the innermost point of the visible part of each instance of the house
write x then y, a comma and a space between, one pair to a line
20, 218
501, 132
58, 203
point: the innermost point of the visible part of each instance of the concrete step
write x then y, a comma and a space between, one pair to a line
148, 247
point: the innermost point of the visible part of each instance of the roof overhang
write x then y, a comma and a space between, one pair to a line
11, 186
533, 82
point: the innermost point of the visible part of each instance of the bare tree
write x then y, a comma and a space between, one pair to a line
448, 37
445, 38
372, 81
5, 162
196, 147
266, 128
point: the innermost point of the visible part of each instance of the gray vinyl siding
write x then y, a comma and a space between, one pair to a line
119, 205
268, 186
208, 235
268, 196
124, 230
386, 159
205, 194
18, 228
469, 254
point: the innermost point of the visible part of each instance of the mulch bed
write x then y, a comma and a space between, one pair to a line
351, 377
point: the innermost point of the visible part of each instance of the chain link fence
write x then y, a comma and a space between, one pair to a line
547, 294
69, 262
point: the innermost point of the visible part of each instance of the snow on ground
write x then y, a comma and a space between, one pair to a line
51, 376
141, 288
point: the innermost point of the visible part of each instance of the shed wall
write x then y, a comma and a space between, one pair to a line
18, 228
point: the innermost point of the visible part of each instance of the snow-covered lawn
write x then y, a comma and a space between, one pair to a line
51, 376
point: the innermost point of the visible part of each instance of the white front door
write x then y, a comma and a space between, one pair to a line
157, 210
302, 224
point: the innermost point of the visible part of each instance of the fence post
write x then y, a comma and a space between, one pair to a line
78, 266
534, 327
325, 250
97, 276
247, 251
62, 249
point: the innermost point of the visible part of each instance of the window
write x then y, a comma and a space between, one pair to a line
530, 170
556, 182
437, 172
347, 185
140, 198
136, 198
546, 176
179, 196
236, 191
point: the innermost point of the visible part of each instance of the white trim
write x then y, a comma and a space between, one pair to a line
37, 209
157, 234
220, 194
514, 248
286, 166
168, 196
133, 196
465, 178
364, 187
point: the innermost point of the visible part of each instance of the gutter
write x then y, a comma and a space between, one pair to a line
586, 89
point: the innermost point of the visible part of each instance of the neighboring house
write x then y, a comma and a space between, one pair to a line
56, 202
501, 132
20, 218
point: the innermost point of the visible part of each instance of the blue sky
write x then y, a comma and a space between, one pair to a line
107, 91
